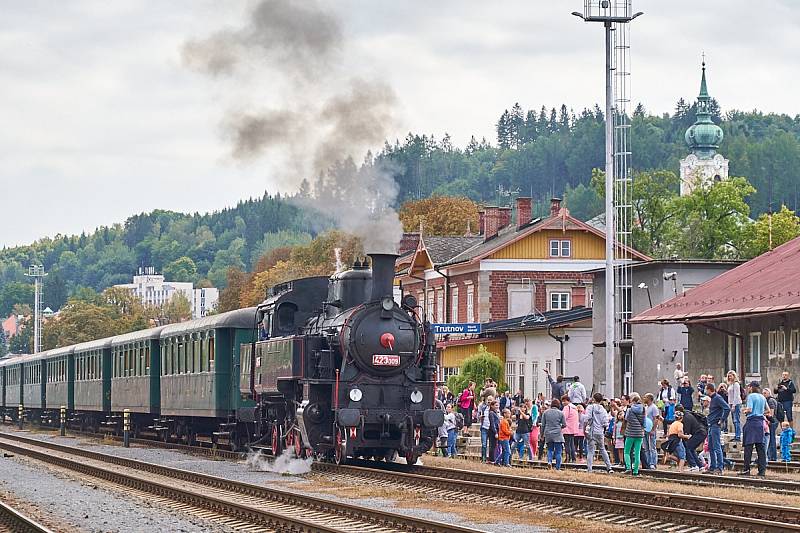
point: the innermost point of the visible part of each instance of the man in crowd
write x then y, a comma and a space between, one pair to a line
679, 374
695, 426
652, 412
772, 420
595, 420
556, 385
577, 392
785, 392
483, 418
718, 411
753, 431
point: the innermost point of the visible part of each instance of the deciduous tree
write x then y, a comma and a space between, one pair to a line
765, 234
440, 215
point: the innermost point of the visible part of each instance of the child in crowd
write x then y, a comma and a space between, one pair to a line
619, 438
504, 438
580, 436
787, 436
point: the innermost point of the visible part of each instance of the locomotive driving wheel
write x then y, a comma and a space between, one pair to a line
276, 440
339, 456
299, 450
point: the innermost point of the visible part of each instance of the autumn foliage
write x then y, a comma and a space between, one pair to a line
440, 215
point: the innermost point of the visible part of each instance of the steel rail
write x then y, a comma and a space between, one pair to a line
311, 504
751, 482
711, 512
14, 521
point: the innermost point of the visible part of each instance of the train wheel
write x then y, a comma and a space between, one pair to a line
339, 456
299, 450
276, 440
390, 456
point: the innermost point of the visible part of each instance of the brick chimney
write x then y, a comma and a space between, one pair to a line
555, 206
491, 222
524, 211
505, 217
481, 222
409, 242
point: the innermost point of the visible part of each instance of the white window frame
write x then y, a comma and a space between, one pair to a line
535, 380
511, 375
561, 304
776, 343
471, 303
454, 304
440, 306
429, 304
448, 371
732, 352
520, 378
754, 359
561, 247
794, 343
548, 365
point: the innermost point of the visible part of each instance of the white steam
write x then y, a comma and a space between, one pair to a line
286, 463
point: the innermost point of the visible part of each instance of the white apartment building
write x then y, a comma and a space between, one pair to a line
153, 290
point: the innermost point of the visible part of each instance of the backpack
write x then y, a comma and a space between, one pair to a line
701, 419
780, 412
459, 421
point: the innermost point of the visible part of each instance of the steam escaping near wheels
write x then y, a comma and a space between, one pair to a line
285, 463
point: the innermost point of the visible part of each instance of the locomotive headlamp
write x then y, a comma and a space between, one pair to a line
416, 396
387, 304
356, 394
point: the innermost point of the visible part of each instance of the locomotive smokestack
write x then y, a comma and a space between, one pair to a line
382, 275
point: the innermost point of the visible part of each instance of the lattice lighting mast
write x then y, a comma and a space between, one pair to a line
38, 274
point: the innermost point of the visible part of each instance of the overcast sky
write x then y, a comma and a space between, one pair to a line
101, 119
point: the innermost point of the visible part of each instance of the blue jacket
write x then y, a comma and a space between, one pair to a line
494, 422
718, 410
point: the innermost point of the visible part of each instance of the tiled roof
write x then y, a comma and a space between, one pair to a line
539, 321
443, 249
504, 236
598, 222
767, 284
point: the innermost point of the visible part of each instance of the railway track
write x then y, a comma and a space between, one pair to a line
247, 504
646, 510
13, 521
752, 482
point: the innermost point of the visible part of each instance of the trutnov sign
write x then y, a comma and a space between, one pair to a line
458, 329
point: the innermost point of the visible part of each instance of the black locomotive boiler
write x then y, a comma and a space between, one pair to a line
340, 369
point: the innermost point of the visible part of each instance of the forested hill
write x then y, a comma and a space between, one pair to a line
536, 152
196, 247
543, 152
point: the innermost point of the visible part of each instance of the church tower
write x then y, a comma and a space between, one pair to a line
703, 165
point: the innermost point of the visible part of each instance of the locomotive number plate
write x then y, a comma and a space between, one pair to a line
385, 360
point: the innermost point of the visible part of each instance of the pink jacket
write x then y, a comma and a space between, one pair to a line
571, 417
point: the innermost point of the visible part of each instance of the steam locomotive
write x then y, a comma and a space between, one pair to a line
340, 369
332, 367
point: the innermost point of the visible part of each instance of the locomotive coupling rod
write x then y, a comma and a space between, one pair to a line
126, 428
63, 425
20, 414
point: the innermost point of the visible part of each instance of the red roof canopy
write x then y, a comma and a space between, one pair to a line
769, 283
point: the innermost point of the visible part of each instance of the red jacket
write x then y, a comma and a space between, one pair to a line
505, 430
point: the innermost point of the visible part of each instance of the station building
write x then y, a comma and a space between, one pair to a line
513, 269
746, 319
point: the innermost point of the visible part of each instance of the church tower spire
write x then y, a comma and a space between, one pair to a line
703, 165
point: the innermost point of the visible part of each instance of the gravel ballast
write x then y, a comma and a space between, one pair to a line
253, 471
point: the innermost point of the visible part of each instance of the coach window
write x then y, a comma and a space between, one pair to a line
196, 352
204, 351
211, 351
173, 347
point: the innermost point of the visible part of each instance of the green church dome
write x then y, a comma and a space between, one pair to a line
703, 137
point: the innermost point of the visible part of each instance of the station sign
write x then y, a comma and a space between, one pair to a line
467, 328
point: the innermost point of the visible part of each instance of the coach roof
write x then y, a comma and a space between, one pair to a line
240, 318
98, 344
134, 336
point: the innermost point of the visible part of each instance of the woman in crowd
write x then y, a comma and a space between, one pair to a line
735, 403
534, 436
571, 417
466, 402
553, 423
634, 433
522, 436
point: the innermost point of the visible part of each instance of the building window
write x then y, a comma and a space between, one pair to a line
511, 374
471, 303
440, 306
548, 365
776, 343
559, 301
560, 248
429, 308
520, 298
454, 304
794, 343
522, 378
448, 371
755, 353
732, 353
535, 380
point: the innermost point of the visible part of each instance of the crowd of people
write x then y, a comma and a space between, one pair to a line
574, 426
